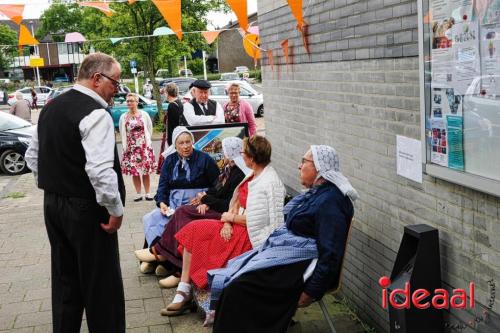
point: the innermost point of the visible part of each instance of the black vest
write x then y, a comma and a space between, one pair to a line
61, 157
211, 106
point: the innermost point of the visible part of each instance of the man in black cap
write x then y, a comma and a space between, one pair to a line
201, 110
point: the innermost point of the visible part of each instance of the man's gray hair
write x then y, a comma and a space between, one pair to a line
172, 89
96, 63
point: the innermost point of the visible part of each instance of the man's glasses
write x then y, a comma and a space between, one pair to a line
131, 101
115, 83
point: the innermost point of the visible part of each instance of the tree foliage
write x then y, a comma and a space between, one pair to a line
7, 37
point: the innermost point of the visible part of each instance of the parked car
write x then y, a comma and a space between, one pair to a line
161, 75
41, 92
120, 107
61, 78
241, 69
230, 77
182, 83
218, 93
56, 92
185, 72
4, 81
15, 136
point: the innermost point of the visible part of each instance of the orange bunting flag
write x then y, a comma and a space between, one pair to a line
239, 7
284, 46
270, 59
25, 36
210, 36
171, 12
13, 12
131, 2
251, 44
296, 7
103, 7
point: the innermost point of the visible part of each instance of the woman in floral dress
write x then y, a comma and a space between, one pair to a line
138, 157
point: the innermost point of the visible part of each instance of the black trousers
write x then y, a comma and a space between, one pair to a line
86, 270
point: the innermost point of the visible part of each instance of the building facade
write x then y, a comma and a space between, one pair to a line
361, 86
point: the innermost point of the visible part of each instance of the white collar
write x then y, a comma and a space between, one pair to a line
91, 93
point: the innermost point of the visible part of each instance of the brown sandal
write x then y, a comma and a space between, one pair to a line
176, 309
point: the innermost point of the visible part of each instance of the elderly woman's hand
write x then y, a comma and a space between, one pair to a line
226, 232
305, 300
163, 208
202, 209
227, 217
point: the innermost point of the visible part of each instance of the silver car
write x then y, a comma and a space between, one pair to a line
41, 93
247, 92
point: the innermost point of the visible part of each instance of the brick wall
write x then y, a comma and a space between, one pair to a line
357, 95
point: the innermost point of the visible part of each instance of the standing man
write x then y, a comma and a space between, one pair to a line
74, 159
201, 110
21, 107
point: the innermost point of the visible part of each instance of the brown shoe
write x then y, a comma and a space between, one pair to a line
176, 309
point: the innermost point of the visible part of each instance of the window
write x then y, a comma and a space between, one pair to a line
218, 90
245, 92
461, 92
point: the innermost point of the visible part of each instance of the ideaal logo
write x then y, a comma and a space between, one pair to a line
403, 298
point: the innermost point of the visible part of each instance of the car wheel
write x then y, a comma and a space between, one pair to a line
260, 111
12, 162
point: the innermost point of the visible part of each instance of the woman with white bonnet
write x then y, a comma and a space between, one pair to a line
268, 282
184, 174
206, 205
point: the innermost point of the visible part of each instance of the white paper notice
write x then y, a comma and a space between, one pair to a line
409, 158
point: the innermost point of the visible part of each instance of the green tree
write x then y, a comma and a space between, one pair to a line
58, 20
7, 37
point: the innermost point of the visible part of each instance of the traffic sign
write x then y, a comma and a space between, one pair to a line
133, 64
133, 70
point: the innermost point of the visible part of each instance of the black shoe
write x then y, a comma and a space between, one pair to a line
149, 198
138, 199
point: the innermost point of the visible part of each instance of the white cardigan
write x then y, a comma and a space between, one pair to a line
148, 128
264, 212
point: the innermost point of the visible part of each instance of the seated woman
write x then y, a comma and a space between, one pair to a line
206, 205
184, 173
256, 209
268, 282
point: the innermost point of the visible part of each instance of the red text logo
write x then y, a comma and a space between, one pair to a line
404, 299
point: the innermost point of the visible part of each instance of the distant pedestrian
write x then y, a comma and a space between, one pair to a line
21, 108
148, 89
201, 110
74, 159
34, 99
238, 110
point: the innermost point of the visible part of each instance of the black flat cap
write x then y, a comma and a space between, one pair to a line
202, 84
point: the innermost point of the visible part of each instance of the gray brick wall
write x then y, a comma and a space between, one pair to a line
358, 104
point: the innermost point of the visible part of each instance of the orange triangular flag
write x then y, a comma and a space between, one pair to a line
25, 37
239, 7
13, 12
284, 46
131, 2
210, 36
296, 7
270, 59
171, 12
103, 7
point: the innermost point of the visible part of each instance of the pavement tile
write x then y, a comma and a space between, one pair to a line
19, 330
20, 307
7, 321
146, 319
160, 329
33, 319
134, 306
154, 304
38, 294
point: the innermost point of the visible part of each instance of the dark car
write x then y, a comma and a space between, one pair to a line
15, 136
182, 83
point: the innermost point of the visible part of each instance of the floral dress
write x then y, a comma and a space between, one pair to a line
232, 113
138, 158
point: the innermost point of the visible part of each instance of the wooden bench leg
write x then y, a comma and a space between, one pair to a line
327, 315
